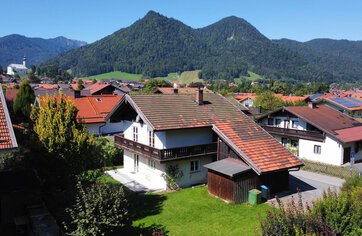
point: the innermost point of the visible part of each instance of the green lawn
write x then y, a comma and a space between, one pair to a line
252, 77
193, 211
115, 75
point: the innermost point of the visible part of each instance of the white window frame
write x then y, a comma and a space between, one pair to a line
194, 166
151, 164
151, 138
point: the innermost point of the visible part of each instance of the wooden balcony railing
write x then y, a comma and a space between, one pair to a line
165, 154
308, 135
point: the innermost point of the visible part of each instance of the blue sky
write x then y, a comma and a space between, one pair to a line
90, 20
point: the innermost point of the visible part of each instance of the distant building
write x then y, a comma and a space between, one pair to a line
19, 69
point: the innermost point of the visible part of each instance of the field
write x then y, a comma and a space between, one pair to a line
115, 75
186, 77
252, 77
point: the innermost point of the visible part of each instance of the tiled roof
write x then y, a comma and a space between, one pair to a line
243, 96
96, 87
187, 90
7, 136
10, 94
260, 150
48, 86
350, 134
324, 117
94, 109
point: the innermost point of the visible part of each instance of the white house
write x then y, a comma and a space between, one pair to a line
184, 132
19, 69
316, 132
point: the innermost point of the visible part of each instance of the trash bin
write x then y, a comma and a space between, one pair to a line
265, 192
254, 196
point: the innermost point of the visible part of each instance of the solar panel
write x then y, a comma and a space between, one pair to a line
344, 102
355, 100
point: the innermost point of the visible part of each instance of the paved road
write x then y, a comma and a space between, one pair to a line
311, 186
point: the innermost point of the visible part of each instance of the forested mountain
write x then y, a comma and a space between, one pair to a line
14, 47
156, 45
342, 58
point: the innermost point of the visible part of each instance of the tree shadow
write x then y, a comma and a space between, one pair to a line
152, 230
145, 204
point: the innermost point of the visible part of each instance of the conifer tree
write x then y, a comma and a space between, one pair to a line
23, 101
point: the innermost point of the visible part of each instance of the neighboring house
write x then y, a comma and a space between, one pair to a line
192, 131
10, 95
93, 112
247, 99
19, 69
7, 137
177, 90
348, 105
99, 89
316, 132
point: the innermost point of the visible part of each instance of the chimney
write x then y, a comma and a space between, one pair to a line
199, 96
76, 93
312, 105
175, 90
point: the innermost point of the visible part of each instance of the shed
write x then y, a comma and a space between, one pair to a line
231, 179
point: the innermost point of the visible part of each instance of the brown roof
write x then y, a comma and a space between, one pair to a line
10, 94
259, 149
7, 136
324, 117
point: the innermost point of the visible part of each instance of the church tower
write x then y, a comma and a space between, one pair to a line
24, 61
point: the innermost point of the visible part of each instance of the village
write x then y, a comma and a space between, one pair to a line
182, 136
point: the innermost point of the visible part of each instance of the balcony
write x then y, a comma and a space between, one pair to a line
165, 154
294, 133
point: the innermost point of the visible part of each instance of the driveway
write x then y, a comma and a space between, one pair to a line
311, 186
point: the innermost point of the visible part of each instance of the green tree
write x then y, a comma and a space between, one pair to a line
152, 84
98, 210
94, 81
23, 101
268, 101
55, 125
80, 84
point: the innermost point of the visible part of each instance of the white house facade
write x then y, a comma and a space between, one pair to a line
316, 133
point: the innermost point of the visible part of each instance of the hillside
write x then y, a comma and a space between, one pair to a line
341, 58
156, 45
14, 47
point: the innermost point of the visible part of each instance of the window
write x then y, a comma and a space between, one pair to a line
317, 149
277, 122
286, 124
151, 138
284, 141
151, 164
135, 133
270, 121
295, 124
194, 166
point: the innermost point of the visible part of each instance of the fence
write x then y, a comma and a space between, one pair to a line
332, 170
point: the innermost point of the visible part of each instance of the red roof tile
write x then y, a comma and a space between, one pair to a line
10, 94
7, 136
348, 135
94, 109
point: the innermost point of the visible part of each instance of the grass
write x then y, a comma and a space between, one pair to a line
193, 211
186, 77
252, 77
115, 75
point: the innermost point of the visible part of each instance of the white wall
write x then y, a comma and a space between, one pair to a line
331, 151
302, 125
171, 138
155, 175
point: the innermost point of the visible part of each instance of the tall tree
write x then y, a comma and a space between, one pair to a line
268, 101
23, 101
55, 124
